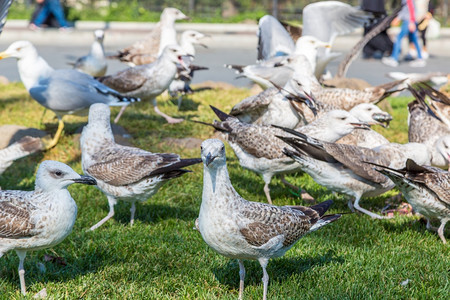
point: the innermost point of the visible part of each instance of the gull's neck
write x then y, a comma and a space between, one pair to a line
93, 139
169, 65
168, 35
217, 187
187, 46
33, 68
97, 50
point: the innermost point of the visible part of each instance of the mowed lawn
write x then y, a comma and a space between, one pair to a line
162, 257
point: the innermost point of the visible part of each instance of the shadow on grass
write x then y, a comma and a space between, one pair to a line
279, 269
149, 213
187, 104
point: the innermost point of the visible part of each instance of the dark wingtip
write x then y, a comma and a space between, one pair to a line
222, 116
322, 207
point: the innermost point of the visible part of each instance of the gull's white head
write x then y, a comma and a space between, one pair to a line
171, 14
213, 153
372, 114
53, 175
308, 45
341, 122
99, 35
443, 147
175, 54
192, 37
19, 49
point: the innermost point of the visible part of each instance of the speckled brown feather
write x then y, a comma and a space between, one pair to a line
125, 81
254, 104
15, 219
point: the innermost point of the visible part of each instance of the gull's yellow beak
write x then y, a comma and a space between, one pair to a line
4, 55
327, 46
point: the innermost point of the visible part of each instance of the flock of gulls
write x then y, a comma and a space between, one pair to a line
297, 124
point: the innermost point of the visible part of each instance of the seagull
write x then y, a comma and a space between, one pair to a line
64, 91
180, 85
258, 149
241, 229
124, 173
425, 127
373, 115
274, 106
24, 147
440, 102
426, 188
150, 80
39, 219
343, 168
278, 70
148, 50
94, 63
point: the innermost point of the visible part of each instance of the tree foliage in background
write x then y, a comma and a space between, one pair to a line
199, 10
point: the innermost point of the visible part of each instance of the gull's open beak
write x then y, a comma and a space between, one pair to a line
85, 180
4, 55
186, 18
203, 45
209, 159
183, 59
362, 125
382, 119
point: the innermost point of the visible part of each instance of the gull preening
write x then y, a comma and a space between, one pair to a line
124, 173
23, 147
150, 80
426, 188
64, 91
148, 50
94, 63
241, 229
39, 219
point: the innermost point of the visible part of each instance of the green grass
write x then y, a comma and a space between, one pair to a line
162, 257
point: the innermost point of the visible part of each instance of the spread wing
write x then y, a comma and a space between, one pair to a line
15, 219
273, 39
126, 165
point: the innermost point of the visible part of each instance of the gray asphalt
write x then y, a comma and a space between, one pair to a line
222, 48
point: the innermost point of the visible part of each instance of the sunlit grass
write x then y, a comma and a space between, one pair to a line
162, 257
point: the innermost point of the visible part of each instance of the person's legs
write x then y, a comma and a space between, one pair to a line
56, 9
42, 15
414, 39
398, 41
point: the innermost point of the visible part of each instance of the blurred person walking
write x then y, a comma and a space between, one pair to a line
408, 26
49, 7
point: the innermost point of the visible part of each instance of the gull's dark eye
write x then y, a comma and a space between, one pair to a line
343, 118
223, 148
201, 147
58, 173
369, 109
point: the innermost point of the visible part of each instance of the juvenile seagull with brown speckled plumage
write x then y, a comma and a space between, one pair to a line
240, 229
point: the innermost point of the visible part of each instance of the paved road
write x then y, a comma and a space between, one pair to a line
60, 48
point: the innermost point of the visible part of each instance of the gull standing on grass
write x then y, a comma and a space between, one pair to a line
148, 50
124, 173
64, 91
150, 80
426, 188
39, 219
241, 229
94, 63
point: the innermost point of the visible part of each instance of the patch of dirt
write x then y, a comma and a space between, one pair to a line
10, 134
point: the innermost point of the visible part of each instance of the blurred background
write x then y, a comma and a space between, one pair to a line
216, 11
